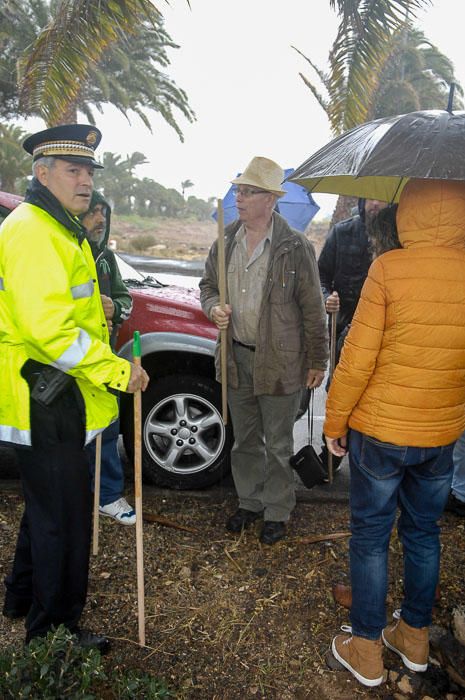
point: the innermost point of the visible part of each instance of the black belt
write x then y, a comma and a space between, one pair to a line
243, 345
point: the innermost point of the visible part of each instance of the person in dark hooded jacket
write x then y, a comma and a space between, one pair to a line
343, 266
117, 306
344, 261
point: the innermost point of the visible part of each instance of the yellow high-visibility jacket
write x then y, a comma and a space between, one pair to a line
50, 311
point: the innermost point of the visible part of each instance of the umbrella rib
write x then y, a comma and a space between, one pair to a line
401, 179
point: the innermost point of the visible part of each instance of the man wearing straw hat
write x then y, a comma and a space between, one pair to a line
58, 377
276, 344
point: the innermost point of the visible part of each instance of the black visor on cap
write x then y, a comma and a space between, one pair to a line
78, 159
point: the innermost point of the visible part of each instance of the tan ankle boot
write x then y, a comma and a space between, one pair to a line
362, 657
411, 643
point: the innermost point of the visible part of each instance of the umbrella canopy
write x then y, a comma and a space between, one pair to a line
376, 159
297, 206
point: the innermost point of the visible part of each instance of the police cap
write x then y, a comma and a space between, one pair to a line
72, 142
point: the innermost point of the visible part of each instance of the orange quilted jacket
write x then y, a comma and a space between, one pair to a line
401, 376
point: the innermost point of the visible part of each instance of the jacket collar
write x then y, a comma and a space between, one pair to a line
282, 232
41, 197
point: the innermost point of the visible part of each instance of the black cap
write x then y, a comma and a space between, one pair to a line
73, 142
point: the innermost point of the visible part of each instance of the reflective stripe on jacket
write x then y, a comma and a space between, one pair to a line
50, 311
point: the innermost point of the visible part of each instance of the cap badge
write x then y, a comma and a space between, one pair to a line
91, 138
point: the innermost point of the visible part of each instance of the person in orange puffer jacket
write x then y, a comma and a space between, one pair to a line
397, 405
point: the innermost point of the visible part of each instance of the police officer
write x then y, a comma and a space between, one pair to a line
58, 378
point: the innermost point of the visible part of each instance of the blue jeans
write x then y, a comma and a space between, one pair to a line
382, 478
111, 467
458, 481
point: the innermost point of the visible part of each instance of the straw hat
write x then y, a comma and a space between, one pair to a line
264, 174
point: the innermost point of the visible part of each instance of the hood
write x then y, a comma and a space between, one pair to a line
432, 213
98, 246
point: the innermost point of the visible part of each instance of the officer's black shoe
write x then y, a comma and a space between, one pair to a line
241, 519
89, 640
13, 607
272, 532
456, 506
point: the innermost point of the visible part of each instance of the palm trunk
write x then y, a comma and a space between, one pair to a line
344, 209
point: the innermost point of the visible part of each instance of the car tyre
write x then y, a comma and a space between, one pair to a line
185, 444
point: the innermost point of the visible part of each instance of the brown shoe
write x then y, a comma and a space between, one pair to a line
362, 657
342, 595
410, 643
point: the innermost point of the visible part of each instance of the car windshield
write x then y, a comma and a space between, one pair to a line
160, 279
128, 272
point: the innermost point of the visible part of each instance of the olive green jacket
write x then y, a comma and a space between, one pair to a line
292, 334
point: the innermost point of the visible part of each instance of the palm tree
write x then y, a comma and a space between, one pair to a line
379, 66
117, 181
80, 54
358, 56
185, 184
416, 75
15, 163
129, 76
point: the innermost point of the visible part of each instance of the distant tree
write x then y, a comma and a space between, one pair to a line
199, 208
173, 204
185, 185
118, 50
145, 194
117, 180
15, 163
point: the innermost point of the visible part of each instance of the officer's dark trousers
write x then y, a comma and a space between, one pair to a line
51, 562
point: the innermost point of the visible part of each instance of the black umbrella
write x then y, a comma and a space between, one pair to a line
376, 159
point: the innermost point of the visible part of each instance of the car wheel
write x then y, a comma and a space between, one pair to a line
185, 444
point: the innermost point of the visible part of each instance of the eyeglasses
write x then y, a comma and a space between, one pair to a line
248, 192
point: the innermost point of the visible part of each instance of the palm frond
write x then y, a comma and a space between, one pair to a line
360, 50
66, 49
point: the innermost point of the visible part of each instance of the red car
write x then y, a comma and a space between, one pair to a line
185, 443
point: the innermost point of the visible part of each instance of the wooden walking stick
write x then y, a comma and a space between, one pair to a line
332, 365
136, 351
223, 333
98, 463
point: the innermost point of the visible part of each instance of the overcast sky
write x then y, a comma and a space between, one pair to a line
242, 79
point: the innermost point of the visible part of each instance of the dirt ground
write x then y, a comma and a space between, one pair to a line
185, 240
228, 618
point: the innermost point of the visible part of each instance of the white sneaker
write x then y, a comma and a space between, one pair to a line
120, 510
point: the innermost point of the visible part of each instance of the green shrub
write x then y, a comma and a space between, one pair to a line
53, 668
50, 668
132, 685
142, 241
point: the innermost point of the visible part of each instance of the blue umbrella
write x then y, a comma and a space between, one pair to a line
297, 206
